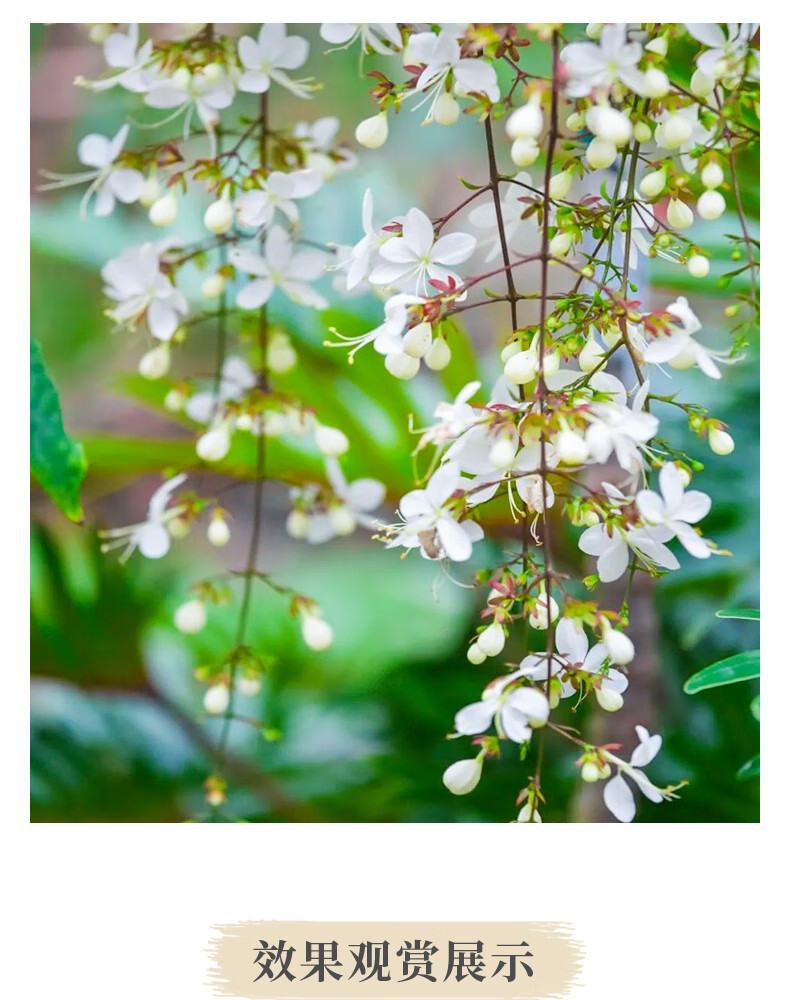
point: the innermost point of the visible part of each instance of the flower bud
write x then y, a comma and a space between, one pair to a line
491, 640
524, 152
652, 184
642, 132
571, 447
522, 367
280, 354
475, 654
181, 78
575, 121
655, 83
213, 286
560, 245
560, 185
156, 362
659, 45
164, 210
250, 687
216, 700
446, 109
528, 815
541, 612
612, 335
463, 776
526, 122
214, 445
297, 524
701, 84
617, 645
679, 215
401, 365
711, 205
721, 443
509, 350
342, 520
273, 423
417, 341
317, 633
610, 125
174, 400
600, 154
590, 518
674, 131
218, 531
594, 29
609, 700
439, 355
712, 175
150, 191
698, 266
218, 217
179, 527
191, 617
551, 363
331, 441
372, 132
503, 451
589, 772
590, 355
685, 476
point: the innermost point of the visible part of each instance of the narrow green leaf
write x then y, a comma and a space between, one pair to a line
752, 614
751, 769
741, 667
57, 462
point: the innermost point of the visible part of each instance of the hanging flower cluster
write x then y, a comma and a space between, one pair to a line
631, 157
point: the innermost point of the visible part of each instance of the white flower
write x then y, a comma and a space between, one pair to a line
317, 140
431, 526
613, 545
359, 497
382, 38
452, 418
515, 711
725, 58
279, 267
255, 209
134, 280
617, 795
698, 135
235, 382
413, 259
592, 65
387, 338
208, 94
679, 347
617, 428
676, 510
151, 537
122, 53
108, 182
521, 234
361, 252
442, 57
265, 59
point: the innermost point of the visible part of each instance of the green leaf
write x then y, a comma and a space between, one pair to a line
741, 667
752, 614
755, 707
751, 769
57, 462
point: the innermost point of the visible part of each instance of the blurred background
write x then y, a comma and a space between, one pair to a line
354, 734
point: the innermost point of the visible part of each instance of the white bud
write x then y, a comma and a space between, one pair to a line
491, 640
372, 132
331, 441
218, 217
590, 518
712, 175
594, 29
181, 78
179, 527
701, 84
612, 335
191, 617
297, 524
675, 131
250, 687
317, 633
524, 152
526, 122
617, 645
600, 154
571, 447
590, 772
551, 363
609, 700
401, 365
218, 531
560, 185
216, 700
540, 612
503, 451
575, 121
156, 362
721, 443
698, 266
591, 354
273, 423
609, 124
642, 132
150, 191
509, 350
214, 445
653, 183
439, 355
655, 83
417, 341
280, 354
213, 286
560, 245
174, 400
528, 815
685, 475
659, 45
475, 654
711, 205
164, 210
446, 109
679, 215
463, 776
522, 367
342, 520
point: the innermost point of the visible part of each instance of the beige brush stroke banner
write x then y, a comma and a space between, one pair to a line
556, 959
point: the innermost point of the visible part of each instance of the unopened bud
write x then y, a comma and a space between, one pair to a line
164, 210
721, 443
439, 355
417, 341
711, 205
218, 531
463, 776
491, 640
653, 183
609, 700
214, 445
213, 286
372, 132
317, 633
402, 365
156, 362
191, 617
475, 654
524, 152
216, 700
446, 109
712, 175
600, 154
218, 217
679, 215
